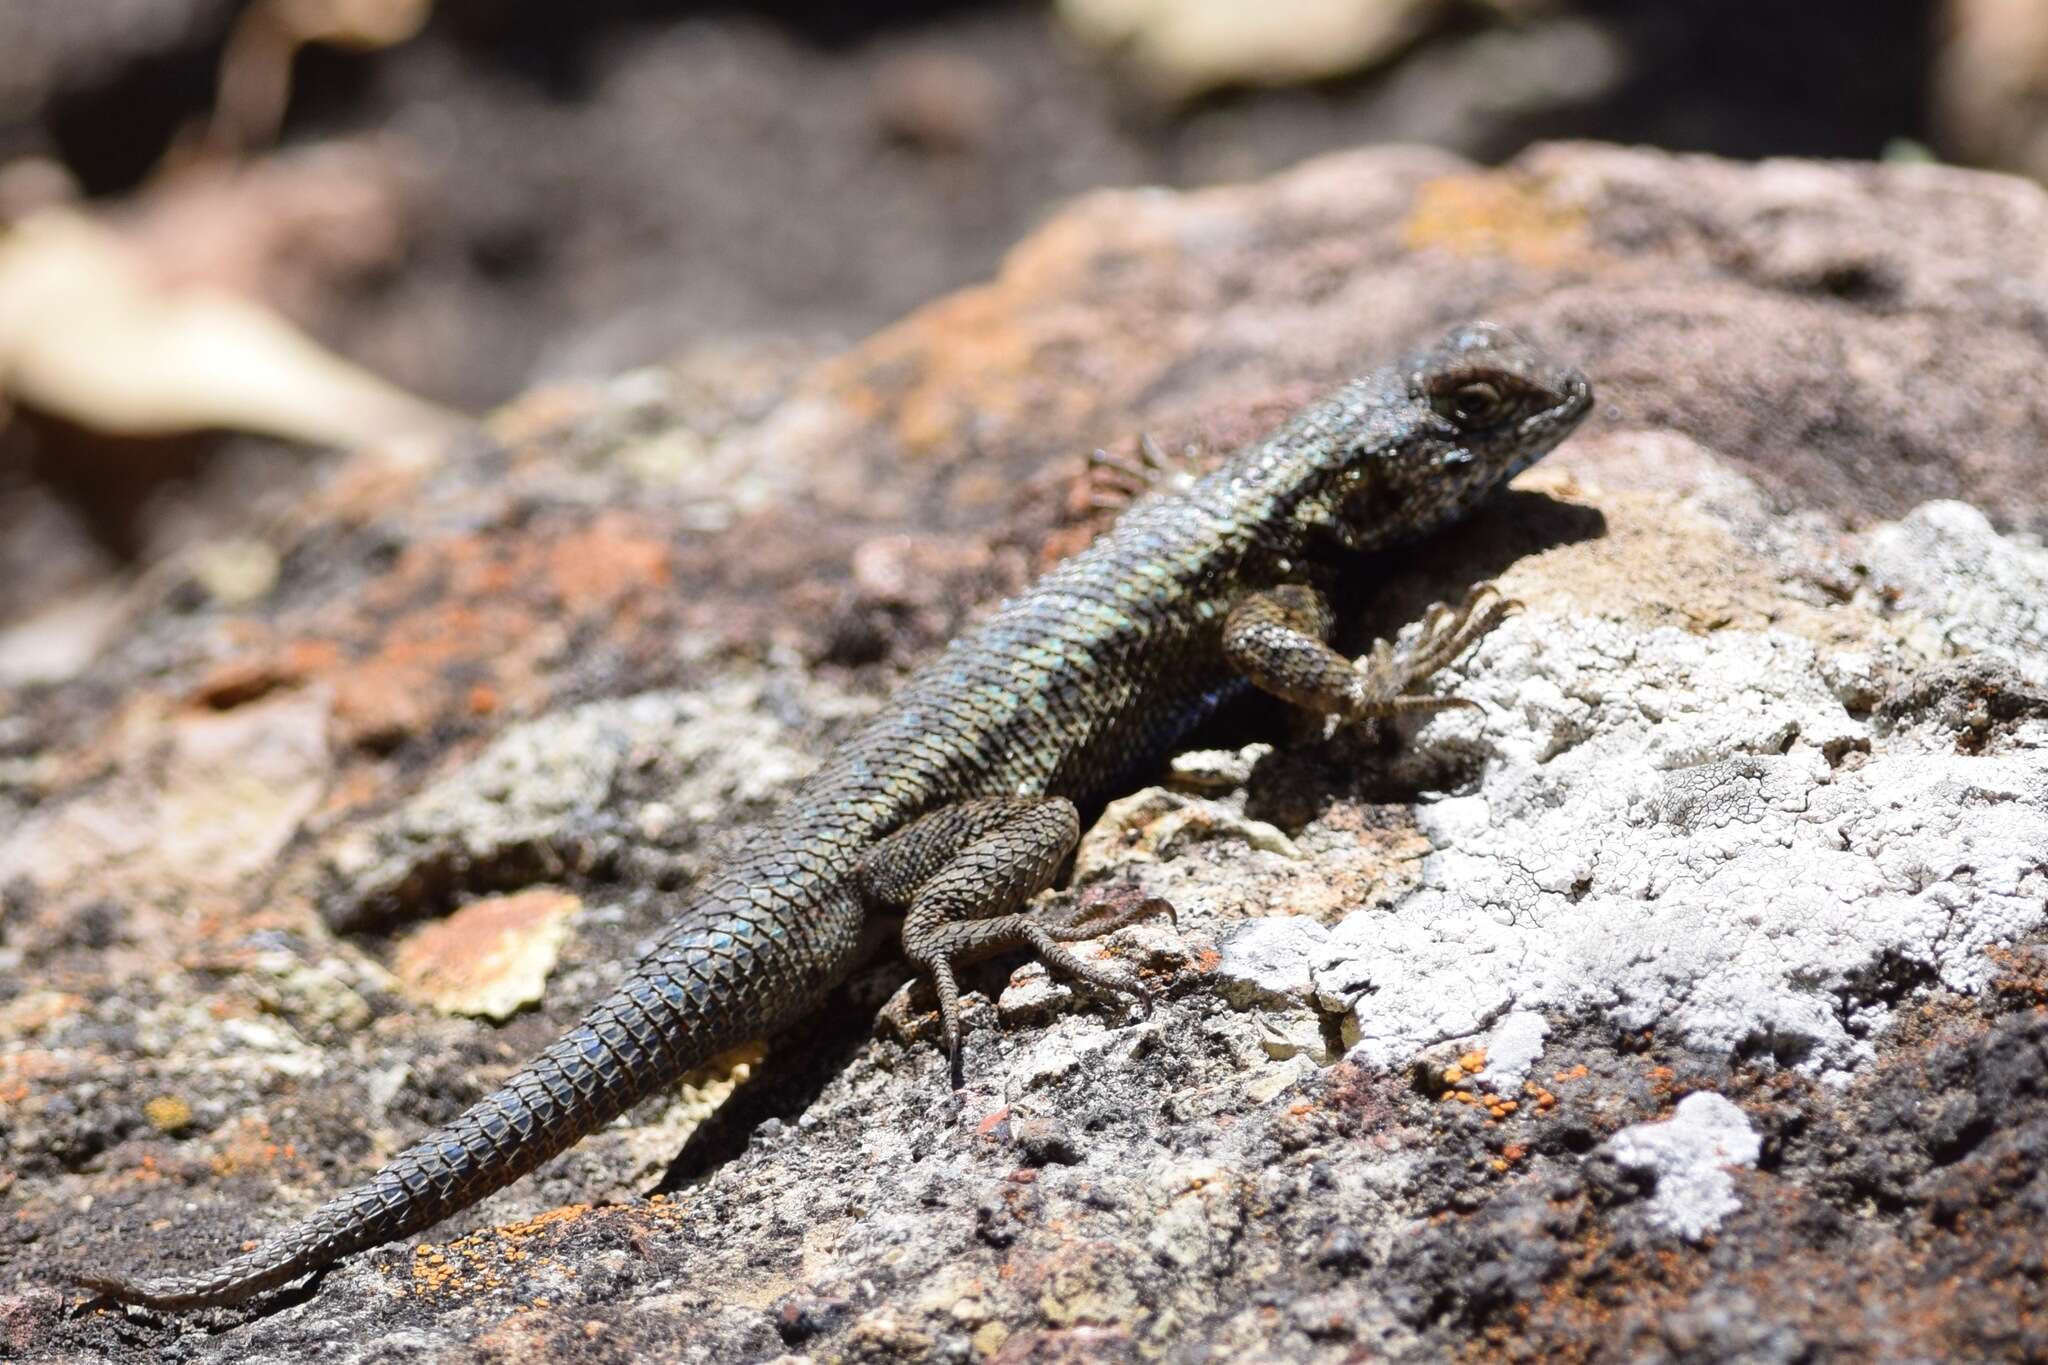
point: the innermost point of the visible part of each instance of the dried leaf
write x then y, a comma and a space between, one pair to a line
87, 334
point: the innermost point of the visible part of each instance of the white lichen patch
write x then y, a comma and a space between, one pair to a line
1965, 586
1688, 1158
1694, 833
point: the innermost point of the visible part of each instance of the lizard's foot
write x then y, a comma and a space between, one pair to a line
1388, 676
964, 871
942, 948
1047, 934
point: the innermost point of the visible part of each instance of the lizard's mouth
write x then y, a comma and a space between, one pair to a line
1574, 401
1578, 401
1544, 429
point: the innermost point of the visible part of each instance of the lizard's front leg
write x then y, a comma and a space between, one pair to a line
1278, 640
960, 873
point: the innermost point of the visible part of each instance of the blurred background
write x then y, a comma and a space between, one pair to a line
238, 234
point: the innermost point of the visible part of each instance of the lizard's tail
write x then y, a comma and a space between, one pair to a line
699, 993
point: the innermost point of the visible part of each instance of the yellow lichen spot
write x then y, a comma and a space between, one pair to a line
167, 1113
1453, 1074
1496, 213
989, 1338
1474, 1061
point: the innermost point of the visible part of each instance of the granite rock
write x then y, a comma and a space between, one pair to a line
1743, 845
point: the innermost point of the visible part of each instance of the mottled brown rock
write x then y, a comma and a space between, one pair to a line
680, 587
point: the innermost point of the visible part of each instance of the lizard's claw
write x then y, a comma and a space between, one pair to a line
1389, 675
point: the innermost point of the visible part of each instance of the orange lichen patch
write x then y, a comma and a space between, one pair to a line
431, 1272
404, 685
37, 1010
1497, 1107
248, 1148
600, 565
489, 959
459, 626
241, 681
2022, 974
1576, 1073
567, 1213
991, 358
1497, 213
543, 414
481, 1259
368, 484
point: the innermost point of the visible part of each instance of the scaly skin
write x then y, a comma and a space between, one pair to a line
954, 803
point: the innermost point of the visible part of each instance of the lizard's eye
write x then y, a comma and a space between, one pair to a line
1474, 403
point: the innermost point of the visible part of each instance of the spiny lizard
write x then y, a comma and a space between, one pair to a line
956, 803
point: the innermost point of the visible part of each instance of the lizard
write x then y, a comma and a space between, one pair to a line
957, 802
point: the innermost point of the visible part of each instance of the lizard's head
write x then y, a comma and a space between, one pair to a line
1453, 423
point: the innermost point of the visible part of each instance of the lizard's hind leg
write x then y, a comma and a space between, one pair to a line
961, 872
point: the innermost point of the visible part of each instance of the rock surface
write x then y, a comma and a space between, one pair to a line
1689, 1001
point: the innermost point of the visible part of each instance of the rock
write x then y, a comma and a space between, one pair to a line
199, 799
1155, 823
1951, 573
1512, 1047
1687, 1158
534, 804
1747, 822
27, 1320
1723, 787
489, 959
1033, 996
1268, 960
